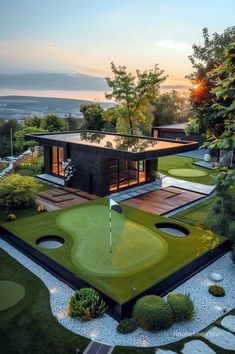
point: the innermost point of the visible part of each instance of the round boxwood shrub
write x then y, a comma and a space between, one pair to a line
86, 304
17, 191
182, 306
127, 326
152, 313
216, 290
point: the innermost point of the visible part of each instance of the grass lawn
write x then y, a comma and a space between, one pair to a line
171, 166
142, 255
29, 327
198, 214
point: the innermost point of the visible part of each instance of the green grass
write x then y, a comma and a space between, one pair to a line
3, 165
198, 214
168, 163
29, 327
142, 255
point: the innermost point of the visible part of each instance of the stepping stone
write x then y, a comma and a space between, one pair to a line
220, 337
162, 351
229, 322
197, 347
216, 277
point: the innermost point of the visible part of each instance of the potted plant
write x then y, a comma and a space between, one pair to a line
157, 177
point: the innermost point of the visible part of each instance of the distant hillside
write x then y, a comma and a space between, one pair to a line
71, 82
24, 106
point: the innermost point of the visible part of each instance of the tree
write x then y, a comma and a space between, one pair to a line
93, 116
204, 59
73, 123
134, 96
224, 105
5, 134
170, 108
20, 141
34, 121
53, 123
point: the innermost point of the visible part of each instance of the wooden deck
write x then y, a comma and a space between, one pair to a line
163, 200
58, 198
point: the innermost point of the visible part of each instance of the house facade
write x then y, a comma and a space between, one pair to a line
105, 163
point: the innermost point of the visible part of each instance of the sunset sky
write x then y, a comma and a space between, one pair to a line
85, 36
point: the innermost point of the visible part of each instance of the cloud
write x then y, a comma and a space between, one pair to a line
172, 44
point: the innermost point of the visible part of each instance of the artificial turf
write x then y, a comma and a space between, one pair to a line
142, 255
198, 214
29, 327
175, 162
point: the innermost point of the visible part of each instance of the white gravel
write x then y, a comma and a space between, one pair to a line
208, 308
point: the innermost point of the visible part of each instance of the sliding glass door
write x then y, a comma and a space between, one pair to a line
125, 173
57, 158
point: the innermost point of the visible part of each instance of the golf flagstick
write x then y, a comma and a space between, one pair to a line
112, 203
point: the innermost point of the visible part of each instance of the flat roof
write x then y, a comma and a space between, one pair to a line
128, 144
173, 126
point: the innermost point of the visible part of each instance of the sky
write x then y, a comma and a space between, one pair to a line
85, 36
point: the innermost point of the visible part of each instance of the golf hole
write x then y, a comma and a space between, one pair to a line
50, 242
172, 229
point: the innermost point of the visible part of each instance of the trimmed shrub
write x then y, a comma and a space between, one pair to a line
128, 325
41, 208
17, 191
182, 306
11, 217
86, 304
216, 290
152, 313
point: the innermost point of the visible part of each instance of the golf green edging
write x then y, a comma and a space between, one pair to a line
10, 294
112, 282
174, 162
186, 172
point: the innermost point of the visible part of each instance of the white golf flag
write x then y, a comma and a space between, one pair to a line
112, 203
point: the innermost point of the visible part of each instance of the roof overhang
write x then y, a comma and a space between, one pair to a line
171, 146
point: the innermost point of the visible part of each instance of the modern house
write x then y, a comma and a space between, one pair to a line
104, 162
176, 131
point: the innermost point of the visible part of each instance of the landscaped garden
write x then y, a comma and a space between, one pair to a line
85, 251
182, 167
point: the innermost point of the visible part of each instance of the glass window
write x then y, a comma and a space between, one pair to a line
57, 158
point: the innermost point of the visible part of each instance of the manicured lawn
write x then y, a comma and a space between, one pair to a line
198, 214
29, 327
142, 255
171, 166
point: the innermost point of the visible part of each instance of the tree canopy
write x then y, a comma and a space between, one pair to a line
53, 123
134, 96
205, 59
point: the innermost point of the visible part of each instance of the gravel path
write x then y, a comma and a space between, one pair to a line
103, 330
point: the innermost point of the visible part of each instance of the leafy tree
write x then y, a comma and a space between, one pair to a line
225, 103
73, 123
34, 121
17, 191
53, 123
20, 141
93, 116
204, 59
170, 108
5, 132
134, 96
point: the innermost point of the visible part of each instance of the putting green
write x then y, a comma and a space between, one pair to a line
10, 294
135, 247
186, 172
